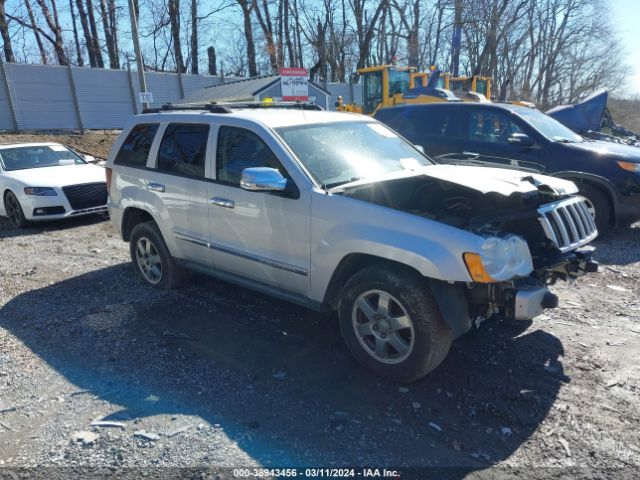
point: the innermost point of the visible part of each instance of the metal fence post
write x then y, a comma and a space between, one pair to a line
180, 85
132, 90
74, 95
12, 108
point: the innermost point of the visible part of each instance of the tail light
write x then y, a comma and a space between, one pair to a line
107, 174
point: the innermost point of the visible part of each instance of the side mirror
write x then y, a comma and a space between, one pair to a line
420, 148
88, 158
262, 179
520, 140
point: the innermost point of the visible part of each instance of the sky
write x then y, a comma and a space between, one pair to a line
626, 19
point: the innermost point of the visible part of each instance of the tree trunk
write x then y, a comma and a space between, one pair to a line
174, 17
211, 54
88, 39
36, 34
95, 39
264, 19
72, 11
56, 29
106, 26
4, 32
194, 38
246, 6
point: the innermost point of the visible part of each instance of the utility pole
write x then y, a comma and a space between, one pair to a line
136, 47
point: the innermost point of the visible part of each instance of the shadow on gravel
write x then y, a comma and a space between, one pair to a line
278, 379
7, 231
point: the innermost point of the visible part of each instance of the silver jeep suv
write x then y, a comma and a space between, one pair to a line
335, 211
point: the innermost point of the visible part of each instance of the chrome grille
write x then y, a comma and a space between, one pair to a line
568, 223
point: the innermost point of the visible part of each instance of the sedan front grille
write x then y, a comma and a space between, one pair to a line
86, 195
568, 223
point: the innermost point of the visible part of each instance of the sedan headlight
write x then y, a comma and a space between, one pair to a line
500, 259
40, 191
629, 166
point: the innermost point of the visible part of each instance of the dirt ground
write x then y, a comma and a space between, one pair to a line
214, 376
205, 378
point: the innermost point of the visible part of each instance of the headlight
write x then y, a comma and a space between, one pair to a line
629, 166
500, 259
40, 191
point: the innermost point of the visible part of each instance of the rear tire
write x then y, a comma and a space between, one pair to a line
599, 206
392, 324
14, 211
151, 258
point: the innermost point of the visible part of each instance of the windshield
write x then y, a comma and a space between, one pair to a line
341, 152
22, 158
549, 127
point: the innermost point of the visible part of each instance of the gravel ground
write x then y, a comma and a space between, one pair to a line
213, 376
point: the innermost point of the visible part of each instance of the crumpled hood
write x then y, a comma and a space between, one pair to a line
59, 176
483, 179
499, 180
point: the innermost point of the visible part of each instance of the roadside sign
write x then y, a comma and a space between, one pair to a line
146, 97
294, 84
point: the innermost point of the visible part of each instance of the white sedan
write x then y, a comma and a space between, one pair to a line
47, 181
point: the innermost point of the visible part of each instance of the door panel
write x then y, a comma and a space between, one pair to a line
178, 180
259, 235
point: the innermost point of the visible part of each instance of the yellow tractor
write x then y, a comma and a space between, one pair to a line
388, 85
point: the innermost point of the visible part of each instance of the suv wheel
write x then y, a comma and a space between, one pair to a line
14, 212
151, 259
391, 323
598, 205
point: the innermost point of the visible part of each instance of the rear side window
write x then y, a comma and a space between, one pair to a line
238, 149
136, 147
183, 149
435, 122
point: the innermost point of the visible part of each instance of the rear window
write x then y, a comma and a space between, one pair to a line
135, 149
183, 149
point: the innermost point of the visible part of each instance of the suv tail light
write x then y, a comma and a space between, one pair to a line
107, 173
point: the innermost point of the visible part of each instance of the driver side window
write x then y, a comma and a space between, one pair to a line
239, 148
488, 126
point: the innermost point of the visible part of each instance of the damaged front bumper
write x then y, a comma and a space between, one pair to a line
463, 305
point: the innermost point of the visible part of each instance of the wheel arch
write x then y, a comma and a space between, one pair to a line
600, 183
131, 217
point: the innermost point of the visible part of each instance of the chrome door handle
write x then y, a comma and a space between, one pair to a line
222, 202
155, 187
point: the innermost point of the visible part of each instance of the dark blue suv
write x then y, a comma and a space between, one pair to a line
509, 136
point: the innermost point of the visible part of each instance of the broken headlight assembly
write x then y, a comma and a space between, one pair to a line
500, 259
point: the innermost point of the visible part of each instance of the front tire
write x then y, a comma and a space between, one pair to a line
391, 323
599, 206
151, 258
14, 211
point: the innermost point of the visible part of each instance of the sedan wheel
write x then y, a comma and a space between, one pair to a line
14, 211
383, 327
149, 261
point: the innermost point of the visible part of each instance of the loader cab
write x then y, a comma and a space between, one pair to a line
381, 84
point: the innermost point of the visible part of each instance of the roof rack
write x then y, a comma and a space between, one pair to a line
226, 107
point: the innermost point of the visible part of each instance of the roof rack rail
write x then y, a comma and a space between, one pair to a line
226, 107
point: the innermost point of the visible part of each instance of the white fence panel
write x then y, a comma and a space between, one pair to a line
42, 97
104, 96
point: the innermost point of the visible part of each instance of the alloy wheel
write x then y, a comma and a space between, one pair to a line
383, 326
149, 261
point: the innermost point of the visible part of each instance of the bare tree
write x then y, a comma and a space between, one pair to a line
4, 32
247, 7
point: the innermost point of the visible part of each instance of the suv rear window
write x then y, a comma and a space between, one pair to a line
183, 149
136, 147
